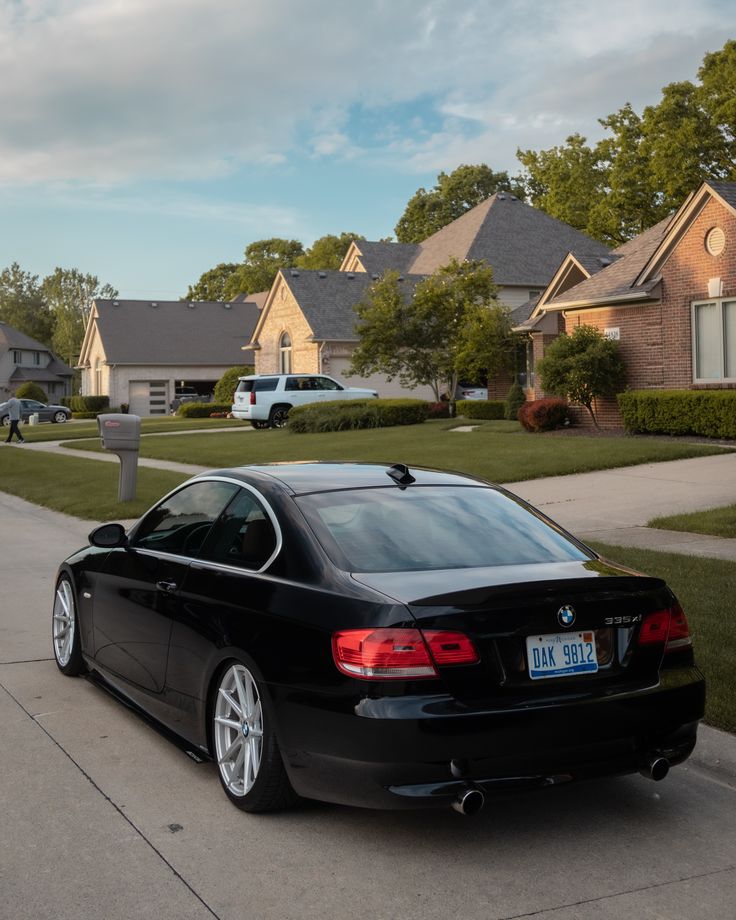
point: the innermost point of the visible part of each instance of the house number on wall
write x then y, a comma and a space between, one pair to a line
613, 333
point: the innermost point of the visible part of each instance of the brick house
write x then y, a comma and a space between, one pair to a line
307, 324
138, 351
668, 296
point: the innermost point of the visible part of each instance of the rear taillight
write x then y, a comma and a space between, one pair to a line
399, 654
252, 397
666, 627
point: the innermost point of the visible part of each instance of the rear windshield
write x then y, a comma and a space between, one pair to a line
259, 385
431, 527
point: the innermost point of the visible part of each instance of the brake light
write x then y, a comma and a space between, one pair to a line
252, 397
399, 654
450, 647
679, 634
382, 654
666, 627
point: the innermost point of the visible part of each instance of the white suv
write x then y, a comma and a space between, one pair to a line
265, 399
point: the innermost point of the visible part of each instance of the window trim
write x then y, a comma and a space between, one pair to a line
285, 353
718, 302
195, 559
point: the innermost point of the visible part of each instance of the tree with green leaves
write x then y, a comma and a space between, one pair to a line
22, 304
69, 293
263, 259
453, 195
225, 386
212, 284
583, 366
448, 325
327, 252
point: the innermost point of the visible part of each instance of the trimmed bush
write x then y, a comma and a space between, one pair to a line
438, 410
544, 414
708, 413
96, 413
344, 415
481, 408
225, 386
87, 403
200, 410
515, 399
31, 390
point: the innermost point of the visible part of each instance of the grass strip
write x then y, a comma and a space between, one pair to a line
705, 588
84, 488
716, 522
493, 451
84, 428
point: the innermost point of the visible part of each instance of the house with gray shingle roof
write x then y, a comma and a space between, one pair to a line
668, 296
309, 317
138, 352
23, 359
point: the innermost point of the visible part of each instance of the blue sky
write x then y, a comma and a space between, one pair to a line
147, 140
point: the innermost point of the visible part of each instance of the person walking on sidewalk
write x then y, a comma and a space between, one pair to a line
13, 407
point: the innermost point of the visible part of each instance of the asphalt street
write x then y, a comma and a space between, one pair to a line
102, 817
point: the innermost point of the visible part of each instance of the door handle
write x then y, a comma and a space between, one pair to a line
168, 586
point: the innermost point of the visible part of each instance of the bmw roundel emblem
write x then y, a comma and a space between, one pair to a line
566, 615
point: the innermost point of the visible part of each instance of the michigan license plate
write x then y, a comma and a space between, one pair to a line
561, 654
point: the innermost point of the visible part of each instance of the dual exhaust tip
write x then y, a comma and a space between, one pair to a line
471, 800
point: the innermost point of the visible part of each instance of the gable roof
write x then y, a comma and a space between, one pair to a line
378, 257
328, 300
14, 338
616, 281
171, 332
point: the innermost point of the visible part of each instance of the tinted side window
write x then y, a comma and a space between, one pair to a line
265, 384
243, 536
244, 386
326, 384
181, 523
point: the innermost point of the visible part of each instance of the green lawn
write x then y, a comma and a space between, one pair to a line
498, 451
87, 428
717, 522
84, 488
705, 588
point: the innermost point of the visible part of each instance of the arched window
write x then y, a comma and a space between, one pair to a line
98, 378
285, 354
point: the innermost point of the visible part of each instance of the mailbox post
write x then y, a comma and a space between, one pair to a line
121, 434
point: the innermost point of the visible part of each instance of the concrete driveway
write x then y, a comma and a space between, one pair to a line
101, 817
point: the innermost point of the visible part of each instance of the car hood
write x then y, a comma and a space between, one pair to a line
477, 585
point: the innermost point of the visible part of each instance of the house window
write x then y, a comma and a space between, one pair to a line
285, 354
37, 358
525, 365
98, 378
17, 357
714, 340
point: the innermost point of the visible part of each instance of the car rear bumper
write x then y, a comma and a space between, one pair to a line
413, 752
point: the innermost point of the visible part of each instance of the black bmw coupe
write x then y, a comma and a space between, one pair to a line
377, 636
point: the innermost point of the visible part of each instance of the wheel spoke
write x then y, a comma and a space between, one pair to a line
255, 716
242, 694
63, 601
247, 760
232, 703
231, 723
238, 740
238, 764
249, 700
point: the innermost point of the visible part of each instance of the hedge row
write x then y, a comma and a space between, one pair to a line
201, 410
345, 415
708, 413
86, 403
481, 408
96, 412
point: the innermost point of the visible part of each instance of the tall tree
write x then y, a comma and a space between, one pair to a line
22, 304
263, 259
327, 252
424, 338
69, 293
453, 195
213, 283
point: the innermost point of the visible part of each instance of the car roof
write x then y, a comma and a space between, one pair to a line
326, 476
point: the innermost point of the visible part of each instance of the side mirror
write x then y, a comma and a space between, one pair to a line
108, 536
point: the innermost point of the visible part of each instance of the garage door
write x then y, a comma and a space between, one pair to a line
338, 369
149, 397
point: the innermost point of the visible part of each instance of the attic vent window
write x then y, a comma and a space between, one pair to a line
153, 303
322, 274
227, 306
350, 276
715, 241
192, 306
375, 276
116, 303
294, 273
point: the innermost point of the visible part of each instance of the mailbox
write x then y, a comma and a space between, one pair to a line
121, 434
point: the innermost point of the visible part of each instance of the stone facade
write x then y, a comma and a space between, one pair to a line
283, 316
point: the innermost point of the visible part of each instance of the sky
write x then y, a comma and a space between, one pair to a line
145, 141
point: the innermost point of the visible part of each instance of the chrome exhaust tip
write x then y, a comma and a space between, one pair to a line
469, 801
656, 769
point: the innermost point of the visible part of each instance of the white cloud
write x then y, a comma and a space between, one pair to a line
118, 90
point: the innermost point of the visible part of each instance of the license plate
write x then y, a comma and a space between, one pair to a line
561, 654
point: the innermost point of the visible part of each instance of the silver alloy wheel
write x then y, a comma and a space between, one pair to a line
6, 421
60, 417
238, 730
65, 622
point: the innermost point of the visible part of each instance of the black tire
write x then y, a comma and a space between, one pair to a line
259, 425
269, 789
279, 416
60, 417
67, 654
6, 421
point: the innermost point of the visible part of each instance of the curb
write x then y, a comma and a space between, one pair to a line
715, 753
